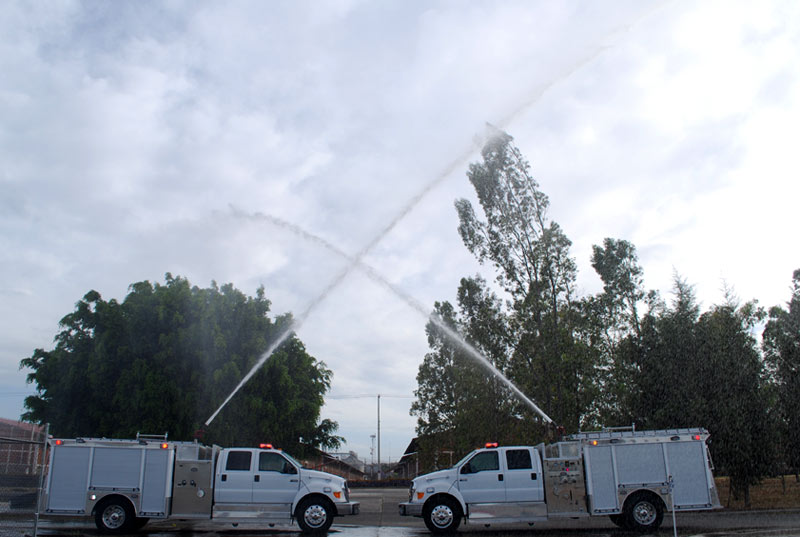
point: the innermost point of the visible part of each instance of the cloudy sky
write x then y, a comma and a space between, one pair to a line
139, 138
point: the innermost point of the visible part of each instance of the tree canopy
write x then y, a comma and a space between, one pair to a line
619, 357
166, 357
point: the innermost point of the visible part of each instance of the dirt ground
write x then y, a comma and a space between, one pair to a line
771, 493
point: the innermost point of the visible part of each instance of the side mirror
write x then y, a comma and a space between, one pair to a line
466, 469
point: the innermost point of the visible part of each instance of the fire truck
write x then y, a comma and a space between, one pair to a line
124, 483
631, 476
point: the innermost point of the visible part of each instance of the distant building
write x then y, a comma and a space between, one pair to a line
408, 466
351, 458
326, 462
21, 449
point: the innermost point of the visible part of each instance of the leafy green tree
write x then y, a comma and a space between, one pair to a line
459, 404
735, 396
705, 370
781, 343
166, 357
614, 322
531, 255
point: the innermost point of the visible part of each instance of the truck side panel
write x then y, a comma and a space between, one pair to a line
67, 482
641, 464
687, 464
116, 469
157, 471
601, 481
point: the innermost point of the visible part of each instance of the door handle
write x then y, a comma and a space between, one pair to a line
533, 476
499, 477
463, 479
293, 481
256, 478
224, 477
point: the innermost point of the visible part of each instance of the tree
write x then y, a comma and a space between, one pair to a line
613, 328
781, 344
531, 255
459, 404
705, 370
166, 357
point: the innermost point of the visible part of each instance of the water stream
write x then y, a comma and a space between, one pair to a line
356, 260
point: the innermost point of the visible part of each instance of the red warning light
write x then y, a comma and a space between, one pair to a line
265, 446
59, 442
491, 444
164, 445
696, 437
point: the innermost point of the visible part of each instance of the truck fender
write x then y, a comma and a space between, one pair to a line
454, 494
302, 494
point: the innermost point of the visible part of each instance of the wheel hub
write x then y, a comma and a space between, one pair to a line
113, 516
315, 516
644, 513
442, 516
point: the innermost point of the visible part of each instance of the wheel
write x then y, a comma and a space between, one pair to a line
114, 516
442, 515
644, 511
315, 515
618, 520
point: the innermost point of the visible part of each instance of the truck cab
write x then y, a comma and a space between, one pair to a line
267, 484
490, 485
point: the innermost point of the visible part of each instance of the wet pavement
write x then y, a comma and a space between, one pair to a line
379, 517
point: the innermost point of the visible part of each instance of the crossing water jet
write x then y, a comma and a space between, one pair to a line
413, 202
415, 304
297, 322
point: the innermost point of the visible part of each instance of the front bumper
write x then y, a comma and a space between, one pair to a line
410, 509
349, 508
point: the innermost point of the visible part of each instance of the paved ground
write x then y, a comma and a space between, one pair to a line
379, 517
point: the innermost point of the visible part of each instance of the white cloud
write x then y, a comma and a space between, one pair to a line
128, 130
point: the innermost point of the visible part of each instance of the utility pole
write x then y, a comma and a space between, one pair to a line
380, 470
372, 457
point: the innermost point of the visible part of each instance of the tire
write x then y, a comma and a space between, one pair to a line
644, 512
618, 520
442, 515
114, 516
314, 516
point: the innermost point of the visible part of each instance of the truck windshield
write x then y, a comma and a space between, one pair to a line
292, 459
463, 460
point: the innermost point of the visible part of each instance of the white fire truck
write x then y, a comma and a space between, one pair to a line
631, 476
124, 483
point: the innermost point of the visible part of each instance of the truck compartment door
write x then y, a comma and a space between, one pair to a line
601, 483
687, 465
69, 468
116, 468
157, 470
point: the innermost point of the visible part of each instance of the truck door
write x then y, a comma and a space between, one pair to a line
235, 478
276, 480
523, 478
480, 479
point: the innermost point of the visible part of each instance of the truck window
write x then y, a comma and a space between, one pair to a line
273, 462
518, 459
486, 460
238, 460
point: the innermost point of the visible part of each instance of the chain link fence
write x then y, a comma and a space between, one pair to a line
23, 449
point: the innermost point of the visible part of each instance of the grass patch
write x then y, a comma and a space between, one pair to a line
771, 493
